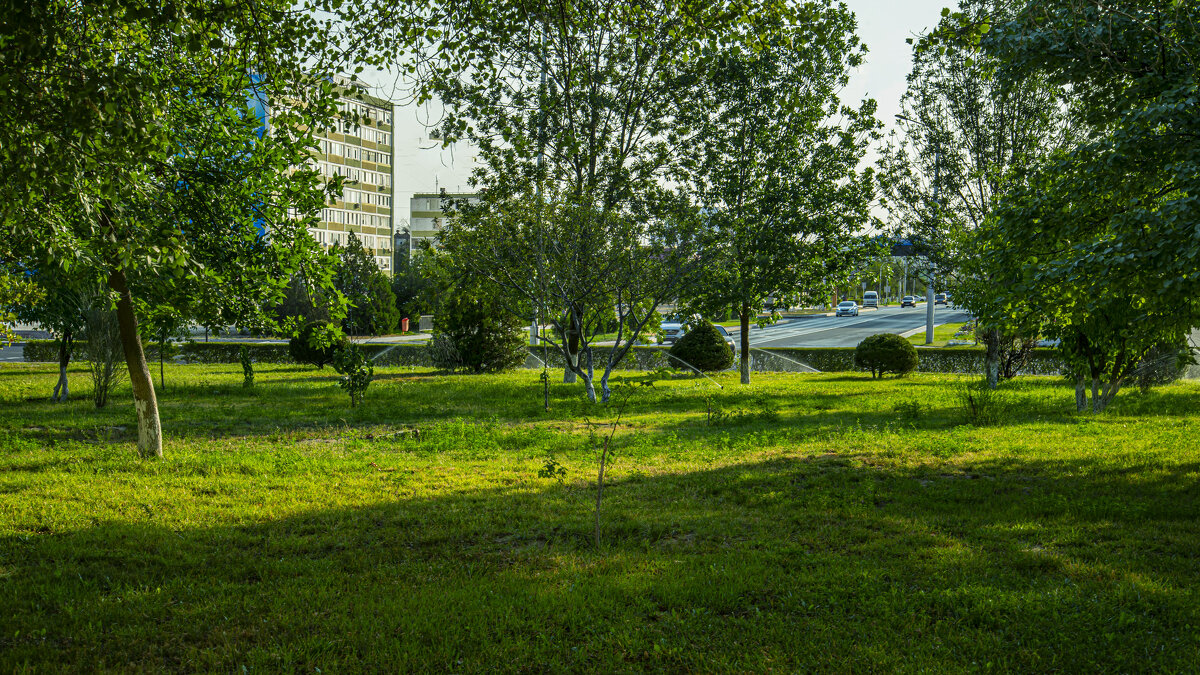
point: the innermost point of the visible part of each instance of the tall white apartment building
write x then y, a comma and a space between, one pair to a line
362, 151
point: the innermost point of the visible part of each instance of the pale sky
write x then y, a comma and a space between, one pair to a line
422, 165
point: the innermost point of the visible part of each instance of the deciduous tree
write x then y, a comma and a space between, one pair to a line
773, 166
575, 109
1102, 235
966, 132
128, 149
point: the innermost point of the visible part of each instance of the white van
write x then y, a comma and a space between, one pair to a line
871, 299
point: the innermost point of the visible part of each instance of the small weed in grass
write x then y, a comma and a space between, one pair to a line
553, 469
908, 411
983, 406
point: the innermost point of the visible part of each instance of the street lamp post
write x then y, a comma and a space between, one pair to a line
930, 289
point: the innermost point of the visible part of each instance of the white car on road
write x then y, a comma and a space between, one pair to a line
847, 308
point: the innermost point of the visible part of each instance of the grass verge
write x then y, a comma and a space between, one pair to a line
941, 335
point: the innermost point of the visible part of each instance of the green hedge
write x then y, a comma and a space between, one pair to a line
228, 352
38, 351
46, 350
825, 359
641, 358
838, 359
830, 359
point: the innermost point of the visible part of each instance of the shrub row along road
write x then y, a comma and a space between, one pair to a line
847, 331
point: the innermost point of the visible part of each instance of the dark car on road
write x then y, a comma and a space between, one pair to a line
908, 301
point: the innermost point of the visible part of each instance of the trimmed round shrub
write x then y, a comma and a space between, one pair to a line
703, 348
316, 344
886, 353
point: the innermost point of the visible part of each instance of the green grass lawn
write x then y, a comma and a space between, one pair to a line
805, 523
941, 335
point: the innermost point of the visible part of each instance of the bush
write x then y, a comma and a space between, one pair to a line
474, 334
230, 352
105, 353
316, 344
357, 371
775, 359
886, 353
703, 348
247, 367
46, 351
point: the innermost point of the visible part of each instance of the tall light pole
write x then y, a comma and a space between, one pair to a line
937, 170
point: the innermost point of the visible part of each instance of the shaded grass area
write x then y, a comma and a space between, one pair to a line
808, 522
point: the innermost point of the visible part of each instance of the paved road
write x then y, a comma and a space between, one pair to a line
848, 331
811, 331
12, 354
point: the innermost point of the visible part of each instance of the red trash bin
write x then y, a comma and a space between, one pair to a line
403, 325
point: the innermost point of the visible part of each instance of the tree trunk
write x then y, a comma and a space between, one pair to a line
589, 388
1110, 392
1080, 395
744, 317
590, 377
1095, 394
572, 344
61, 388
144, 399
991, 339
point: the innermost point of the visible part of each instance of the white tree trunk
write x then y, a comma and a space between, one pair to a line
144, 399
61, 390
745, 341
149, 428
590, 375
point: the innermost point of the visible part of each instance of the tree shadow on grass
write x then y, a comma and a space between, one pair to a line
825, 563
